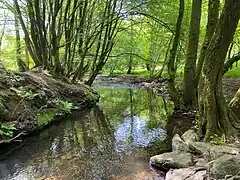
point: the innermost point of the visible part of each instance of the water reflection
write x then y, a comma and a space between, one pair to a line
99, 143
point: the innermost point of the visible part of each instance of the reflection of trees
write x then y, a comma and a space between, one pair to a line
121, 102
131, 114
84, 148
159, 109
74, 147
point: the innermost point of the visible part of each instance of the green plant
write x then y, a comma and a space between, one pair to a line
216, 140
24, 93
45, 116
7, 130
64, 106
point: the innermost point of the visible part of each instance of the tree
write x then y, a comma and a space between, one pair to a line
215, 116
213, 13
21, 65
174, 94
189, 91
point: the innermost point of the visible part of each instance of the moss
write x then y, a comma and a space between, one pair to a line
46, 116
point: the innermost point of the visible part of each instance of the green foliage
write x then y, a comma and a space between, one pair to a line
6, 130
24, 93
233, 73
216, 140
63, 106
45, 116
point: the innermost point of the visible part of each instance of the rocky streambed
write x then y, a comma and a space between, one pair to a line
31, 100
191, 159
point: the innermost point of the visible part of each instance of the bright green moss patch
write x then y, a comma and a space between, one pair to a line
45, 116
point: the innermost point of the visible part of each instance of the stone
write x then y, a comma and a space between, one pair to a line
190, 136
233, 178
170, 160
227, 165
178, 144
201, 162
211, 151
190, 173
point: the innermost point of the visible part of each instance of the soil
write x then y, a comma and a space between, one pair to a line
32, 100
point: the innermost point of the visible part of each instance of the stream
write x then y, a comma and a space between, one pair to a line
112, 141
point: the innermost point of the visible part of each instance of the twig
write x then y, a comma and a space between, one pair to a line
13, 139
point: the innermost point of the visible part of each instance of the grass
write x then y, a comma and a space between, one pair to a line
233, 73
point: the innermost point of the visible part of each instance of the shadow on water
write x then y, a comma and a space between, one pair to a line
113, 140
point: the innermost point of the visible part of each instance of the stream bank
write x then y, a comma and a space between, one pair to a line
191, 159
30, 101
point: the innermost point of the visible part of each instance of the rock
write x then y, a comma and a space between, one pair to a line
173, 160
200, 148
211, 151
178, 144
224, 166
201, 162
190, 136
233, 178
191, 173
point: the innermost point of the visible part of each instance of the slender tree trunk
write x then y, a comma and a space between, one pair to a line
21, 65
215, 116
189, 90
174, 94
213, 13
235, 104
129, 71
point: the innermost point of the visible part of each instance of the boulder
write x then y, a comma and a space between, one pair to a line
178, 144
211, 151
190, 136
227, 165
190, 173
170, 160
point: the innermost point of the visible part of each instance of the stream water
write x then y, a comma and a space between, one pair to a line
112, 141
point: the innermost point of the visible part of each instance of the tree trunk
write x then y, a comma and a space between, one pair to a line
213, 13
235, 104
172, 56
21, 65
215, 116
129, 71
189, 90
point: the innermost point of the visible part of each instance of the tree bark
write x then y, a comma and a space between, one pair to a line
21, 64
213, 13
174, 94
235, 104
215, 116
189, 90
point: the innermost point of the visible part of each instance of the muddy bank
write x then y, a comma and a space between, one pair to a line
230, 85
31, 100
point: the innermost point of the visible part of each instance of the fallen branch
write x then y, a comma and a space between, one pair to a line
7, 141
